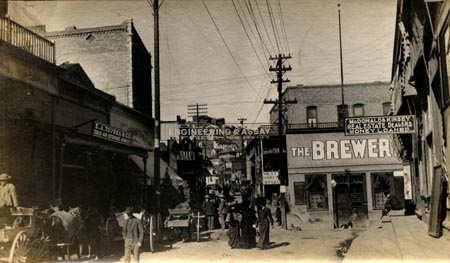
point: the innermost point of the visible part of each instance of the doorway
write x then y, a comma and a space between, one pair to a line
350, 199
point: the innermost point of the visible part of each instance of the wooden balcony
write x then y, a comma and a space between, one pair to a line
306, 127
25, 39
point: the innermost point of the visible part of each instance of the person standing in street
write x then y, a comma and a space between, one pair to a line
247, 222
133, 235
8, 199
223, 211
210, 211
264, 220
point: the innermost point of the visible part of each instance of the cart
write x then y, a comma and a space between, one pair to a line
22, 241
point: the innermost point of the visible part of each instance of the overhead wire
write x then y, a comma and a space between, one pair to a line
248, 37
252, 17
283, 27
269, 8
226, 45
265, 28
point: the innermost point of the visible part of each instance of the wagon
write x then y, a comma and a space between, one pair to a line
22, 241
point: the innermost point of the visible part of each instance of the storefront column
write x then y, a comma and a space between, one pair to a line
61, 165
369, 192
144, 176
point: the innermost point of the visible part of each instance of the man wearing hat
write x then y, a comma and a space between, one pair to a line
210, 211
133, 235
8, 198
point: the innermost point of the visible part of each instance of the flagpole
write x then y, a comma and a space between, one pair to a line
340, 53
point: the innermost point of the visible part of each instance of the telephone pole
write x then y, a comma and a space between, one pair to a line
197, 110
280, 69
156, 165
243, 160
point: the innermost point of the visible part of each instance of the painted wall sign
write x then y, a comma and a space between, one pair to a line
270, 178
210, 133
380, 125
110, 133
316, 150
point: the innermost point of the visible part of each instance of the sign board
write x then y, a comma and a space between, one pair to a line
110, 133
271, 178
212, 132
336, 149
380, 125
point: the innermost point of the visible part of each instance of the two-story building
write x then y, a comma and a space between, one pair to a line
334, 177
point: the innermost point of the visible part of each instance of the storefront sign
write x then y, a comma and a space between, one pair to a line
316, 150
380, 125
210, 133
110, 133
270, 178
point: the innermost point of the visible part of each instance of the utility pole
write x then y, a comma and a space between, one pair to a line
280, 69
243, 160
156, 164
197, 110
344, 110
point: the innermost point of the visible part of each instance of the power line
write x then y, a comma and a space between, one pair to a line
269, 8
252, 17
264, 25
226, 45
248, 37
283, 27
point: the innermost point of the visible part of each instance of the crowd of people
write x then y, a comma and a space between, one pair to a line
243, 219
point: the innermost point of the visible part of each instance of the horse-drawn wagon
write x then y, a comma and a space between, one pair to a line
21, 238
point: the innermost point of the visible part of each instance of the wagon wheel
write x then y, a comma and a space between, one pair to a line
39, 251
151, 233
20, 248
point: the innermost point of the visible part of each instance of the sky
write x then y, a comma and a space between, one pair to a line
208, 56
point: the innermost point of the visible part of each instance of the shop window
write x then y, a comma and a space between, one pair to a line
358, 110
342, 111
386, 108
381, 182
311, 116
316, 191
300, 193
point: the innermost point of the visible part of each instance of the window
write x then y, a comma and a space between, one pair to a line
358, 110
317, 192
386, 108
311, 116
381, 182
342, 110
300, 193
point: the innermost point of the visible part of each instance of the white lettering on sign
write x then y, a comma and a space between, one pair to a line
345, 149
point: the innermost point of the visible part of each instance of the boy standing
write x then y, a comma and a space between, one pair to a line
133, 234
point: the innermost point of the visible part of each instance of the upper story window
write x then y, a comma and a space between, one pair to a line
358, 110
386, 108
311, 116
342, 111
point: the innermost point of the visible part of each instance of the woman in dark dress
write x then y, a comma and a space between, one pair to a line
247, 222
264, 219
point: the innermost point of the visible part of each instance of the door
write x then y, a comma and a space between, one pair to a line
351, 200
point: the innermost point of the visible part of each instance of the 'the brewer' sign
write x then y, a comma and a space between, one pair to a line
380, 125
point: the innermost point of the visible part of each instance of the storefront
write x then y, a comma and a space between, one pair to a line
335, 178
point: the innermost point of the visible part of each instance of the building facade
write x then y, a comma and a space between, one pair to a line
333, 177
114, 57
420, 87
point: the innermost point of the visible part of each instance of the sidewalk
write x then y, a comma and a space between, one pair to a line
404, 239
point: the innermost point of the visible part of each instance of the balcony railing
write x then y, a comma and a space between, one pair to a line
318, 125
273, 128
25, 39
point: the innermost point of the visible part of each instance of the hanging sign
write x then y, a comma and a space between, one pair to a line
271, 178
380, 125
110, 133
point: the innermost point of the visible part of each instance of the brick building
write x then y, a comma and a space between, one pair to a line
318, 154
114, 57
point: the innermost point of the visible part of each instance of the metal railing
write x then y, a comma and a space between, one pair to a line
303, 126
25, 39
318, 125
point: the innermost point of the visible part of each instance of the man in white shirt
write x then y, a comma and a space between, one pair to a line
8, 198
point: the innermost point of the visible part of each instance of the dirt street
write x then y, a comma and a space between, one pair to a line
311, 244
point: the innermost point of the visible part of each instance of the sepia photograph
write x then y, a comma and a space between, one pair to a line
230, 131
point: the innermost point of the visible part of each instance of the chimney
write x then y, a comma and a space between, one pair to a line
3, 7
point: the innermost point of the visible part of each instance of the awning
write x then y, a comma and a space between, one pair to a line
163, 168
88, 140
